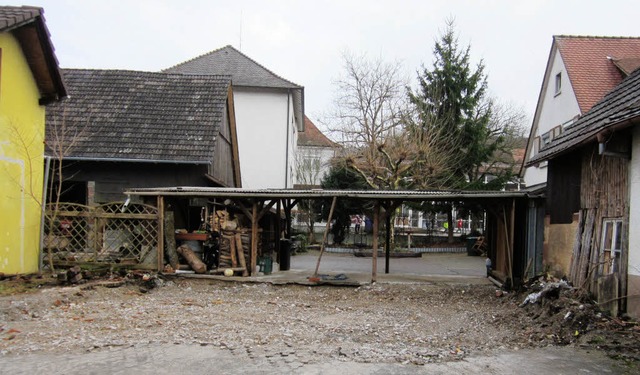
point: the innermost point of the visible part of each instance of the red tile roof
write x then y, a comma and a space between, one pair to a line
312, 136
588, 60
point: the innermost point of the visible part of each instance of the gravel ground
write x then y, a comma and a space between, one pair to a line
411, 324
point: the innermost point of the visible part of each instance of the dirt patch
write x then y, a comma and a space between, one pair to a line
383, 323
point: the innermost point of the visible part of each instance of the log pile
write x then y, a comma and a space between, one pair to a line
235, 250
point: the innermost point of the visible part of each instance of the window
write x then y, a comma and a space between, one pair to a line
611, 245
545, 139
558, 83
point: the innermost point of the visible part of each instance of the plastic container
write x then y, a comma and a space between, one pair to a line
266, 264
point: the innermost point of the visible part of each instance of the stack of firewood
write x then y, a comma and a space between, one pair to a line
235, 250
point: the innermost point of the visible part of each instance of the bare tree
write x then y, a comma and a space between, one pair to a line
384, 140
368, 101
60, 140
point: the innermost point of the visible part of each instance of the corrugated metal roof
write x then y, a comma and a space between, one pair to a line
321, 193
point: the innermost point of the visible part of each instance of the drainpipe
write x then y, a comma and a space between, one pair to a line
43, 205
286, 146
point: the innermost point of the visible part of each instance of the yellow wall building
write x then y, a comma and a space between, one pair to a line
29, 79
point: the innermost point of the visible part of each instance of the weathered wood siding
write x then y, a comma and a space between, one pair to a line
222, 167
605, 193
604, 183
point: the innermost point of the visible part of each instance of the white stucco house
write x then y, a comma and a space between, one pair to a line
269, 114
580, 71
315, 152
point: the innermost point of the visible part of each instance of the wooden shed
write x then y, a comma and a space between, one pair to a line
512, 245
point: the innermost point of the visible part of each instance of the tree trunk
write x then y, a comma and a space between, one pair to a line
312, 233
191, 258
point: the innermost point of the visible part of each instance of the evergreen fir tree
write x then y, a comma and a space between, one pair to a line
452, 95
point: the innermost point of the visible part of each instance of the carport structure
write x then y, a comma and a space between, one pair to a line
513, 229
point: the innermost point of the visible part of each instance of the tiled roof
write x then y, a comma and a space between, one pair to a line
618, 106
312, 136
28, 26
130, 115
12, 17
244, 71
589, 66
627, 65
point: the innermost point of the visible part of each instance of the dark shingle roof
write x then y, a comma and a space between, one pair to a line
11, 17
618, 106
245, 72
131, 115
228, 60
28, 26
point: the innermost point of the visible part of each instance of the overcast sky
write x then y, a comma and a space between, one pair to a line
302, 41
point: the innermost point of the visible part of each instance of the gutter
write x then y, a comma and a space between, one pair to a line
156, 161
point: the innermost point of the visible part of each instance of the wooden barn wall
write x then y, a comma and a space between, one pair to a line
563, 188
604, 183
222, 166
605, 191
112, 178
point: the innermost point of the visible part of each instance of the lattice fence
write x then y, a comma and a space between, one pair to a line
110, 233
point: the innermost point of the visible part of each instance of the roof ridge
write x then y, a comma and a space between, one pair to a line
225, 76
229, 46
262, 66
196, 58
594, 37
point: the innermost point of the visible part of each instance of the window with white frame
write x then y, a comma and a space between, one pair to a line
558, 83
611, 245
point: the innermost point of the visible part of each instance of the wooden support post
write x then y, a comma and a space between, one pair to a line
240, 249
160, 233
170, 239
374, 254
254, 238
326, 233
387, 254
287, 216
512, 228
508, 245
278, 234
